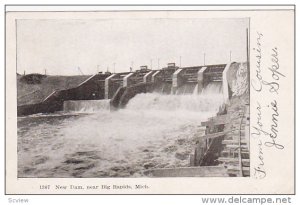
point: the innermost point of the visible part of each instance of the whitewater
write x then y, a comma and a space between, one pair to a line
88, 140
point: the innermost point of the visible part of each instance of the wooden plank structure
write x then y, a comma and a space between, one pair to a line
234, 140
235, 155
218, 120
226, 142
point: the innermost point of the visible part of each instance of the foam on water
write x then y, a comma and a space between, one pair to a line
86, 105
153, 131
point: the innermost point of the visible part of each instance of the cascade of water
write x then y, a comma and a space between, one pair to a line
208, 101
213, 87
185, 98
152, 128
195, 91
86, 105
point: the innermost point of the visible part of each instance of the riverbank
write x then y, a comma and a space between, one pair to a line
35, 93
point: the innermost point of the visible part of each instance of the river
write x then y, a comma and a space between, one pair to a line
89, 140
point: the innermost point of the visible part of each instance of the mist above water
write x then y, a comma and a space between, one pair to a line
86, 106
153, 131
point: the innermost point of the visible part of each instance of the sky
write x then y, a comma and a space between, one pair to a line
62, 46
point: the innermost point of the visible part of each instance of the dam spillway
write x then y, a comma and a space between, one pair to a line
154, 130
89, 106
121, 87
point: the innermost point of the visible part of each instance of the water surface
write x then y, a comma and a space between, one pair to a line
153, 131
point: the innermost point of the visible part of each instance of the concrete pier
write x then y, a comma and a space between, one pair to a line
163, 79
141, 76
225, 82
154, 77
200, 78
177, 80
114, 82
148, 77
126, 80
107, 85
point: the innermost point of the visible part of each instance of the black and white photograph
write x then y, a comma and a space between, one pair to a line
133, 97
149, 100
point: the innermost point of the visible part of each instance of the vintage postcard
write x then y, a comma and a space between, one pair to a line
150, 100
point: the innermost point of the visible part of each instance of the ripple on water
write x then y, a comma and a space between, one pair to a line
146, 134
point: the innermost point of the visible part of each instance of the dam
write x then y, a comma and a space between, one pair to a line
171, 122
121, 87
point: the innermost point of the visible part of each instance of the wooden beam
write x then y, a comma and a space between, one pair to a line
228, 142
245, 162
214, 135
218, 120
236, 146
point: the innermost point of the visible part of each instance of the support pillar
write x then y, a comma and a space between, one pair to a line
200, 79
147, 77
107, 84
154, 76
126, 80
176, 80
225, 82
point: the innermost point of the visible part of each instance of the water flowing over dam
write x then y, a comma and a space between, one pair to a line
86, 105
154, 130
